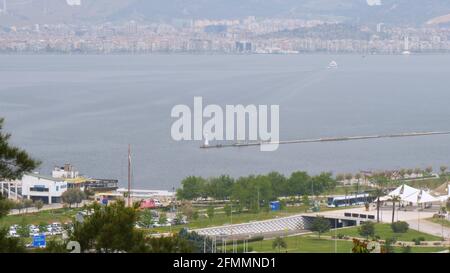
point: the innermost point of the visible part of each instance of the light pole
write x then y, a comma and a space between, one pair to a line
335, 235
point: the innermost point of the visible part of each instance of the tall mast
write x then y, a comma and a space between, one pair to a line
129, 175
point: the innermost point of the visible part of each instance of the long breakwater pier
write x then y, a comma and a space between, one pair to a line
318, 140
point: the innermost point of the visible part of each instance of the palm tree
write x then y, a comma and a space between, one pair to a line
349, 177
429, 170
402, 173
394, 199
417, 171
377, 193
380, 181
358, 176
443, 169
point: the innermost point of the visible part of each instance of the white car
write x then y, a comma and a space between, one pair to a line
13, 233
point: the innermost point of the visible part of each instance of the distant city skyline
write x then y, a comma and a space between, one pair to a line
397, 12
250, 35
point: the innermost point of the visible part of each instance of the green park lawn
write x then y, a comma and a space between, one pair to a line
385, 232
308, 244
47, 216
221, 218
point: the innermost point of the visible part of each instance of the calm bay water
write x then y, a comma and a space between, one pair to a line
86, 109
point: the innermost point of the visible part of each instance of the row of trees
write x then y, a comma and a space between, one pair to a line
400, 173
255, 191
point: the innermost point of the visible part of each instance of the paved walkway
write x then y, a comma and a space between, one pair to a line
430, 228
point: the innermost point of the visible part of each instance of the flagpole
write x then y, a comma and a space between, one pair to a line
129, 175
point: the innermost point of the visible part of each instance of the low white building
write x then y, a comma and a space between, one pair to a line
45, 188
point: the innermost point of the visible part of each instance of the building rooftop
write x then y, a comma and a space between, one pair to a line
47, 177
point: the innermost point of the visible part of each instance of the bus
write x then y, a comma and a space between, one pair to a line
349, 200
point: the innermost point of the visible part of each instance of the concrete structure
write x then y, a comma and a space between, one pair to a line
11, 189
68, 171
45, 188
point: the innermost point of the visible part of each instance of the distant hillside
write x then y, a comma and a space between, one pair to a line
412, 12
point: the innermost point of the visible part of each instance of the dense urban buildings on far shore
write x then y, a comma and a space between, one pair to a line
251, 35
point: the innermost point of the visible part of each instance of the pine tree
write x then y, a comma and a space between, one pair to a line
14, 162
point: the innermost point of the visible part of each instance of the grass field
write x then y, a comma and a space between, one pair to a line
307, 244
47, 216
385, 232
220, 219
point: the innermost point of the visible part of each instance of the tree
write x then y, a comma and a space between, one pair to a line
73, 196
23, 229
429, 170
162, 219
14, 162
417, 171
409, 172
146, 218
171, 244
394, 199
42, 227
367, 229
27, 203
192, 188
56, 246
5, 206
279, 184
186, 209
210, 212
348, 177
38, 204
220, 187
227, 209
299, 183
8, 244
279, 243
195, 215
110, 229
340, 177
380, 181
19, 206
443, 169
320, 225
305, 200
358, 177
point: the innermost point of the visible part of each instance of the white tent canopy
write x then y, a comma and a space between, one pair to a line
403, 191
420, 197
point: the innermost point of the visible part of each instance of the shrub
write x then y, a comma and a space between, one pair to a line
418, 241
367, 229
340, 236
406, 249
400, 227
